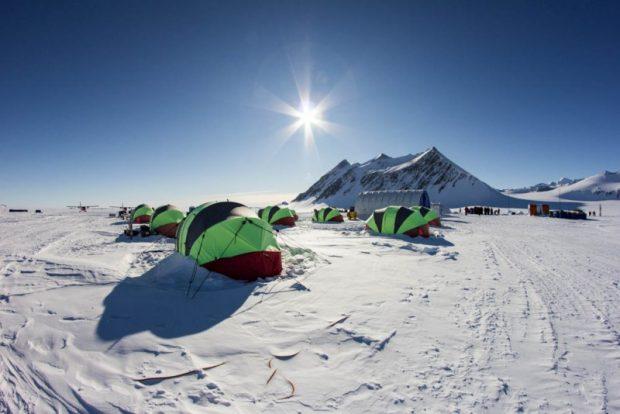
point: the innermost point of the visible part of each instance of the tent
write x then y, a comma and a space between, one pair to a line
229, 238
275, 215
369, 201
327, 214
295, 216
141, 214
431, 216
166, 219
398, 220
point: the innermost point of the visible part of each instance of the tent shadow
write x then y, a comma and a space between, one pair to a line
431, 241
123, 238
156, 302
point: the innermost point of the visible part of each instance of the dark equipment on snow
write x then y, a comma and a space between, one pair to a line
145, 231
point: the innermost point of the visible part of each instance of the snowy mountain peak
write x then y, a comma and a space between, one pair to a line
342, 164
602, 186
444, 180
542, 187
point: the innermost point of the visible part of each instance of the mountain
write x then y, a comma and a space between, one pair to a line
602, 186
540, 187
444, 181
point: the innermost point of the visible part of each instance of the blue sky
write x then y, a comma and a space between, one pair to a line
137, 101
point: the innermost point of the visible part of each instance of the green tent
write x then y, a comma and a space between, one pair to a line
326, 215
398, 220
166, 219
275, 215
431, 216
141, 214
229, 238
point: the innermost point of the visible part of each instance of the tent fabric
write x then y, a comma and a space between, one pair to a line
275, 215
165, 220
398, 220
327, 214
431, 216
142, 214
229, 238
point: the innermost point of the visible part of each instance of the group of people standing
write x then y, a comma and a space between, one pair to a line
482, 211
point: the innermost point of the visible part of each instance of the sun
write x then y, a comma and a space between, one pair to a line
310, 118
308, 115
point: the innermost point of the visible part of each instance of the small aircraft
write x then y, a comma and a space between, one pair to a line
122, 210
81, 207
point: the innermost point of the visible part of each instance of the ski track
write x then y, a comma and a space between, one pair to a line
514, 314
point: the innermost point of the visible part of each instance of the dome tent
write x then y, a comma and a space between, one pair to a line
398, 220
327, 214
295, 216
275, 215
229, 238
431, 216
141, 214
166, 219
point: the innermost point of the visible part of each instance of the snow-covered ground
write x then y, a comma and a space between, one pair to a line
497, 313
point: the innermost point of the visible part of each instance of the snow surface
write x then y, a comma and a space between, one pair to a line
493, 313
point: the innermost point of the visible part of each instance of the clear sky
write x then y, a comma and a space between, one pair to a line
110, 101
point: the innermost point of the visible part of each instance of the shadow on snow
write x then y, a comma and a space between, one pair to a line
431, 241
156, 302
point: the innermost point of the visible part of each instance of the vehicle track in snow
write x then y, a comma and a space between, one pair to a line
579, 329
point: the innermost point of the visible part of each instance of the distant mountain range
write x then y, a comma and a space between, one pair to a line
446, 183
601, 186
542, 186
444, 180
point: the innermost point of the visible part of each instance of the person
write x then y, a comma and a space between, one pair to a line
352, 214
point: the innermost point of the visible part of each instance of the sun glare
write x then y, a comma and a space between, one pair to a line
308, 115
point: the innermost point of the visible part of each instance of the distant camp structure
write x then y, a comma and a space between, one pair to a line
142, 214
327, 215
398, 220
544, 210
369, 201
229, 238
277, 216
166, 219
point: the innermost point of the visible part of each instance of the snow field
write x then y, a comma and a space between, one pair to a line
493, 313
